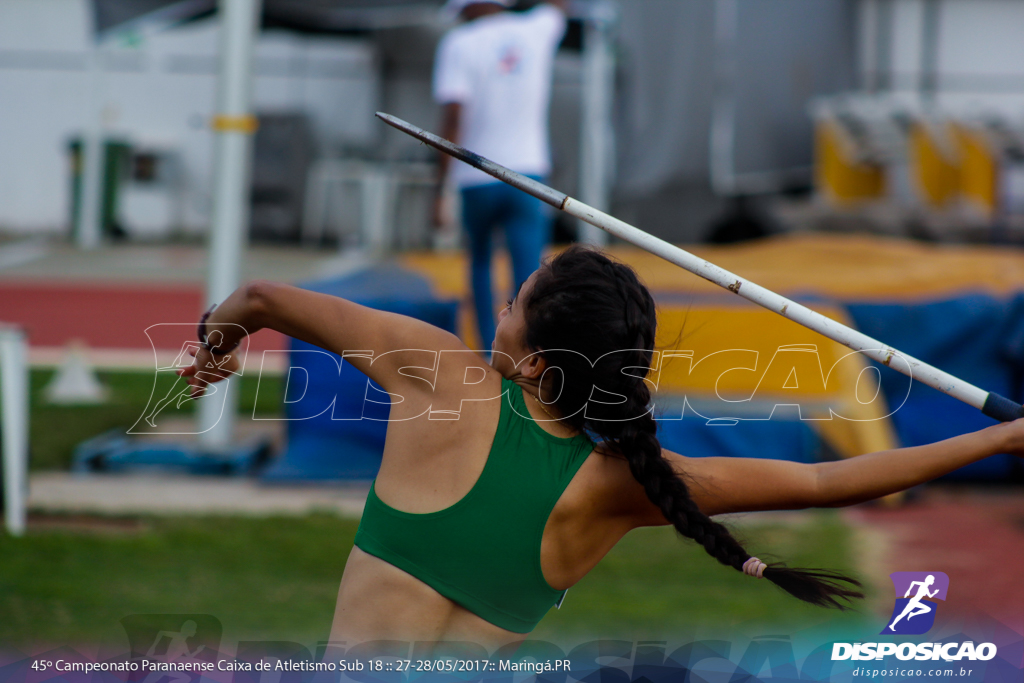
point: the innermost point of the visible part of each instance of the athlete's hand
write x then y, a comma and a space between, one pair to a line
207, 368
1011, 435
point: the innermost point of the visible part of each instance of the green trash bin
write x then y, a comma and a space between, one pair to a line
117, 159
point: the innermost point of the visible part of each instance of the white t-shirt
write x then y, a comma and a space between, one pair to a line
498, 67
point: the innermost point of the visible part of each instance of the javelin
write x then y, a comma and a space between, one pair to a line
990, 403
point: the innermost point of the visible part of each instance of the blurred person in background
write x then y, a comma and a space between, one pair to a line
492, 76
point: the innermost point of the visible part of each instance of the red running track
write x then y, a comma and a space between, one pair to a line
106, 315
975, 537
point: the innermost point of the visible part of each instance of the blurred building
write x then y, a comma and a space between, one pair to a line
711, 97
153, 88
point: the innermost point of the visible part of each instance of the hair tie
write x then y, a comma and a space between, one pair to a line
754, 567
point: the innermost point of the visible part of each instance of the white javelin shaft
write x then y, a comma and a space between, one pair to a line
872, 348
991, 404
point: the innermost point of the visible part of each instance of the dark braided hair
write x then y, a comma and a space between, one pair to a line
592, 320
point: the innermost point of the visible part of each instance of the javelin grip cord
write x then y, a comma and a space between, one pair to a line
1001, 408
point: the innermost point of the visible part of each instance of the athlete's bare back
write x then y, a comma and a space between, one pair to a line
430, 465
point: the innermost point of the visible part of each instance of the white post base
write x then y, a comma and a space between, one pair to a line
14, 416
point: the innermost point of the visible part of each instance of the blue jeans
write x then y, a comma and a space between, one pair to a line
527, 230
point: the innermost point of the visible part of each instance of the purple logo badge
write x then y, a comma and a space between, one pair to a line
916, 593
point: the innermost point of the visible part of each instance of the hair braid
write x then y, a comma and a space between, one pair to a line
669, 493
582, 293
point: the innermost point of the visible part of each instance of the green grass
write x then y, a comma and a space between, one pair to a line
54, 430
277, 579
265, 579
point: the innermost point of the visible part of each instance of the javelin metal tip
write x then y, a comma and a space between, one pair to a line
420, 134
396, 122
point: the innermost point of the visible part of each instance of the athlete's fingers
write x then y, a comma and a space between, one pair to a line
207, 368
198, 387
203, 379
191, 369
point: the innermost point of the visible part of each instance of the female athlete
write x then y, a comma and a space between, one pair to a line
503, 484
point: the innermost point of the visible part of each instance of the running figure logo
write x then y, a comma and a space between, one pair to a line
914, 613
171, 639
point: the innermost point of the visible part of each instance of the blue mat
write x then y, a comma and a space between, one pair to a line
976, 337
775, 439
114, 451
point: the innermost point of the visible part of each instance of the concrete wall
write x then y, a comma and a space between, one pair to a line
158, 88
978, 54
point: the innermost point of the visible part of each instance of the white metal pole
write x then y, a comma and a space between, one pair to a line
376, 208
868, 51
596, 140
723, 113
930, 33
883, 58
14, 419
90, 198
234, 125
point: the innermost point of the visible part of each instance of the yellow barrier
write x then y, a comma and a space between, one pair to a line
838, 175
979, 170
758, 360
935, 164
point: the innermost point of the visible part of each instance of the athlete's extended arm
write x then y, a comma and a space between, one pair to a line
331, 323
720, 485
910, 588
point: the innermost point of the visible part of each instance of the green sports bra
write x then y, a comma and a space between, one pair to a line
483, 552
